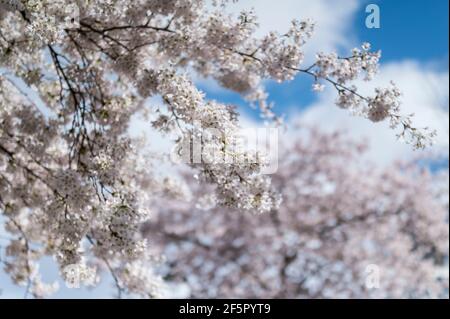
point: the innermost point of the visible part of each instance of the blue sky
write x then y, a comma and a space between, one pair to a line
414, 29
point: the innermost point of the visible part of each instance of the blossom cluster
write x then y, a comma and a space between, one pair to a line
222, 163
385, 104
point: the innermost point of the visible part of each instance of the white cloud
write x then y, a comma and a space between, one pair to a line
425, 93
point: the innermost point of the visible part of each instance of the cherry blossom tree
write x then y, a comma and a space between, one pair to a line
339, 227
76, 186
